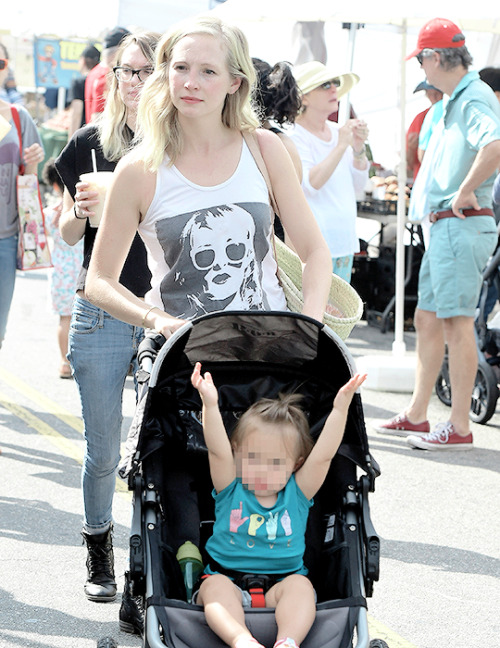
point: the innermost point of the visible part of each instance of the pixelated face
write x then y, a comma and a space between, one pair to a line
265, 460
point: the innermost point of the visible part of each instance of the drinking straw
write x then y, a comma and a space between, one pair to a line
94, 164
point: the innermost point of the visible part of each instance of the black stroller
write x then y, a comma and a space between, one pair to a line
250, 355
486, 392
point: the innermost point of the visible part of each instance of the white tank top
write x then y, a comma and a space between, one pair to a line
209, 248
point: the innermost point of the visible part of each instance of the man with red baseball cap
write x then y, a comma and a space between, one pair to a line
438, 33
463, 154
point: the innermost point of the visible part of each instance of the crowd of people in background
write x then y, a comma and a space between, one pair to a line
187, 229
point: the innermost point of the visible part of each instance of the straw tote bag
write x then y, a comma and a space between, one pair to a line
344, 308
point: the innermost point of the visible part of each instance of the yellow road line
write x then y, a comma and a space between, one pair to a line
50, 407
380, 631
66, 446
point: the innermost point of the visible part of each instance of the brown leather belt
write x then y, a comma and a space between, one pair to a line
448, 213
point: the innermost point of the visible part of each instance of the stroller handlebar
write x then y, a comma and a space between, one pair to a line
148, 349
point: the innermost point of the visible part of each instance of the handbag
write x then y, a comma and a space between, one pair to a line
344, 307
32, 251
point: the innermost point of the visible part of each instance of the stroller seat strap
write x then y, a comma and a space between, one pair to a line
255, 584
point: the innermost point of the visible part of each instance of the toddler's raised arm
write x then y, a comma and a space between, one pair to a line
220, 455
313, 472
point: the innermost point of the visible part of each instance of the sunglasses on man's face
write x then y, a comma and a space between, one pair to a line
425, 53
329, 84
3, 63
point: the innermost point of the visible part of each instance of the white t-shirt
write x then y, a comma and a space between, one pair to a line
334, 204
209, 248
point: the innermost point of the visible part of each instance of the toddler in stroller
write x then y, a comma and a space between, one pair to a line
275, 471
251, 356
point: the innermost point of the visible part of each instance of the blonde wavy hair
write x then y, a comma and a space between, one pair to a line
159, 131
114, 137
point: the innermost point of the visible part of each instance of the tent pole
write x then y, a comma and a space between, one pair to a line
399, 346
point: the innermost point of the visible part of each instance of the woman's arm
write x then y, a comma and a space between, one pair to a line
129, 197
73, 218
299, 223
293, 153
32, 156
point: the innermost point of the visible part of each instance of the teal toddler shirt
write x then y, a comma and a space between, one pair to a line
251, 538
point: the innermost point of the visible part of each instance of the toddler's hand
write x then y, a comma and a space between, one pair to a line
345, 394
204, 385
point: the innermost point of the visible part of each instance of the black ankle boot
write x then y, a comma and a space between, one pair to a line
100, 585
131, 610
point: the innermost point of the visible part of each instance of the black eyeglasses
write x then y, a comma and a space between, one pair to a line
328, 84
127, 74
3, 63
425, 53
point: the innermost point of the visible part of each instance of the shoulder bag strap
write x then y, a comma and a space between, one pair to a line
252, 141
17, 122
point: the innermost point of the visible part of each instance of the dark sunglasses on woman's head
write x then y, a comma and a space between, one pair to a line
328, 84
3, 63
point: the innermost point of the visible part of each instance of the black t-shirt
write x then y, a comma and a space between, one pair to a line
77, 91
75, 159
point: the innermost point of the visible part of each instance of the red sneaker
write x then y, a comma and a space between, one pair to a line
399, 425
443, 437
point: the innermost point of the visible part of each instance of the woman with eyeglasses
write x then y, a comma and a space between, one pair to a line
334, 160
11, 160
102, 349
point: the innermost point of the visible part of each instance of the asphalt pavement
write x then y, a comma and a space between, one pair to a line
437, 514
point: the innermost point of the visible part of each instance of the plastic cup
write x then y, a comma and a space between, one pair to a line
98, 181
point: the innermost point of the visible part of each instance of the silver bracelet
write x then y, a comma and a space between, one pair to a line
143, 323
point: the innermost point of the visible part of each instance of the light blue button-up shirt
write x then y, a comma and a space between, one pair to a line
470, 122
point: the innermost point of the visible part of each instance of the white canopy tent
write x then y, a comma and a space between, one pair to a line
406, 18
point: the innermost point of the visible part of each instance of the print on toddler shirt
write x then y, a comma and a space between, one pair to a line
215, 258
256, 521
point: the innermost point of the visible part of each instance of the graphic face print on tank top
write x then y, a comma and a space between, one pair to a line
215, 258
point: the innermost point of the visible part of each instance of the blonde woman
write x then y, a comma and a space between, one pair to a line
193, 159
101, 348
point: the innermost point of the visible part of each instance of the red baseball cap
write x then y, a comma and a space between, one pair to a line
438, 33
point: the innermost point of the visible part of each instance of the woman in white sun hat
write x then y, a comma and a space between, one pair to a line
333, 157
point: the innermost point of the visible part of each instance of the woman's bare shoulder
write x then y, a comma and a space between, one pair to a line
132, 169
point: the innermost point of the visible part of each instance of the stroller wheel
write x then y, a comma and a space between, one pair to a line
443, 386
107, 642
484, 394
378, 643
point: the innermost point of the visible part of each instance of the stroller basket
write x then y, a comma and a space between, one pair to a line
250, 356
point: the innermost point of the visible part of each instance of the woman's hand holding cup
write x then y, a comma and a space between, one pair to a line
96, 185
85, 200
